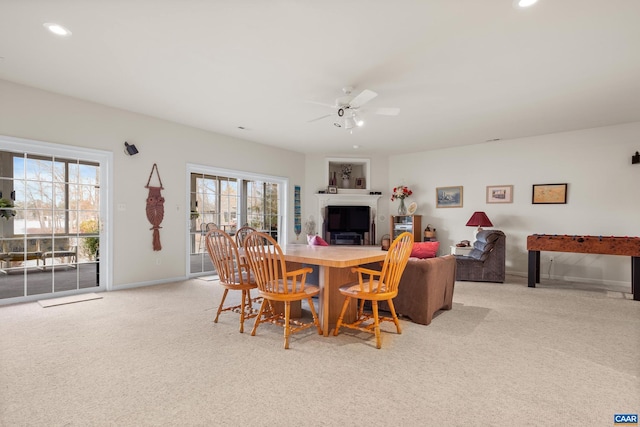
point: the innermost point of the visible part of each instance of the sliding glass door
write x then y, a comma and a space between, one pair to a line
50, 218
228, 200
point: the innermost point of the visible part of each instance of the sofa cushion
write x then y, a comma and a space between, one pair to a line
424, 249
488, 236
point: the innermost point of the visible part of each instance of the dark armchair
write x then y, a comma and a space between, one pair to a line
485, 262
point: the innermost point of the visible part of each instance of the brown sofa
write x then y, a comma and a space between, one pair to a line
426, 286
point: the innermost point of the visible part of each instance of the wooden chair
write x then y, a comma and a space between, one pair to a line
242, 233
234, 274
275, 283
381, 286
205, 227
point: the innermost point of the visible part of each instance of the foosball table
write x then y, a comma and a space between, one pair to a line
603, 245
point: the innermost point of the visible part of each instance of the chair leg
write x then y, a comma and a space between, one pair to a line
394, 315
376, 322
287, 326
315, 316
257, 322
224, 296
272, 310
242, 304
344, 309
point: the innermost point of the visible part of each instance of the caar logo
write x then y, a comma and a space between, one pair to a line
625, 419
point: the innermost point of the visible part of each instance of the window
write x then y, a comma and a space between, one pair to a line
228, 200
51, 241
55, 196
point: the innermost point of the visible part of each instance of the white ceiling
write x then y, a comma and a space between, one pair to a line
461, 71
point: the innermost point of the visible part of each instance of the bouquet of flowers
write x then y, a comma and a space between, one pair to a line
401, 192
346, 171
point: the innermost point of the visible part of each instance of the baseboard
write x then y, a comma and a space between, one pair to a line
575, 279
148, 283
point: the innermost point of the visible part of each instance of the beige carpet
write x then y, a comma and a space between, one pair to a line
558, 355
68, 300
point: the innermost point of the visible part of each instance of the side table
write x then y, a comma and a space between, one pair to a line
456, 250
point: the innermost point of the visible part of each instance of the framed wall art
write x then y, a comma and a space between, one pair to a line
549, 194
499, 193
449, 197
332, 189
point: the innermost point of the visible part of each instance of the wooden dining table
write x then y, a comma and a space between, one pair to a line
334, 267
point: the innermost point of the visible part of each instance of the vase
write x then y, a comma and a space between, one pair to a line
402, 209
345, 183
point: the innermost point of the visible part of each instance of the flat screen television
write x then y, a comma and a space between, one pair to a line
348, 219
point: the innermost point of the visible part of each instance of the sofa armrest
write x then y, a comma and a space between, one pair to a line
426, 286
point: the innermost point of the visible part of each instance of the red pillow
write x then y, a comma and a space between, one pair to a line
425, 249
316, 241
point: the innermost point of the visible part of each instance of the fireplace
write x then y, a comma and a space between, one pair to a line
361, 235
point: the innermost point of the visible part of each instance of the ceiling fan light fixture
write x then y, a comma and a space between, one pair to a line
57, 29
358, 120
349, 123
524, 3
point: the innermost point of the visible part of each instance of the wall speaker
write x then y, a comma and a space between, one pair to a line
130, 149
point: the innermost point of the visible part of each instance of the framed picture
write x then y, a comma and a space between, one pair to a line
360, 183
449, 197
499, 193
549, 194
332, 189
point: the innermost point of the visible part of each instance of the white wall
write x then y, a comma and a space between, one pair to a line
603, 195
34, 114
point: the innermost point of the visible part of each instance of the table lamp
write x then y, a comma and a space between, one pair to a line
479, 219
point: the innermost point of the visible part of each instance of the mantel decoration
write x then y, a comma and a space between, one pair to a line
7, 210
346, 175
401, 192
155, 208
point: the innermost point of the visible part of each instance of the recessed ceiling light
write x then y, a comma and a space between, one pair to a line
57, 29
355, 147
524, 3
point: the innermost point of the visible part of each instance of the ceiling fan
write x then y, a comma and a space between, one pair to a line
347, 109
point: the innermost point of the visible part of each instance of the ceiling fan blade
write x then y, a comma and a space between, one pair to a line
386, 111
324, 104
320, 118
362, 98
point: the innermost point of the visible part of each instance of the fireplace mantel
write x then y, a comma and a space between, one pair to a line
347, 199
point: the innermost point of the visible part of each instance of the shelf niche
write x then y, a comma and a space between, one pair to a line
360, 170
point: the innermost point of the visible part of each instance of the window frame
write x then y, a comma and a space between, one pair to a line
105, 160
241, 177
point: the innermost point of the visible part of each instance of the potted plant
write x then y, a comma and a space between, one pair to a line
90, 245
7, 209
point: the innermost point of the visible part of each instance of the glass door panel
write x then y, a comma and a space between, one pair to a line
52, 243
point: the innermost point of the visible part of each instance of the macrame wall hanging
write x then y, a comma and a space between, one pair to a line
155, 208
